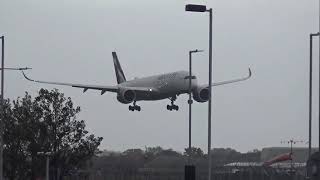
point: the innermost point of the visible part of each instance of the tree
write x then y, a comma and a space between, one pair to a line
169, 152
46, 123
15, 159
133, 152
194, 152
152, 152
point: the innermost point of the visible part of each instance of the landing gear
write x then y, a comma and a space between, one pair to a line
134, 107
173, 106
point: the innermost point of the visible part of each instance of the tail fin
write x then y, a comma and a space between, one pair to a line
117, 67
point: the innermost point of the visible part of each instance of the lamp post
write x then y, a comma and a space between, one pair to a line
190, 169
2, 110
291, 142
202, 8
190, 92
2, 103
310, 95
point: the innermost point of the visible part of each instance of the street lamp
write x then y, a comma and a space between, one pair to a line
318, 34
190, 169
190, 96
310, 95
291, 141
2, 109
203, 8
2, 103
47, 154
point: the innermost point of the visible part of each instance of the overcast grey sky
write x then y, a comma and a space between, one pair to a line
72, 41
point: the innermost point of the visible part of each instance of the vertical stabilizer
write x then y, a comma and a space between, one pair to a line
118, 70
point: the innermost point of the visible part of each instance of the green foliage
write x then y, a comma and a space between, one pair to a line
167, 160
170, 152
46, 123
193, 152
152, 152
133, 152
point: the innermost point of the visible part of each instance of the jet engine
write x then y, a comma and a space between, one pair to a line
201, 94
126, 96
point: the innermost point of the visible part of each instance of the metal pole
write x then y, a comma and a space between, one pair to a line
190, 99
47, 167
310, 96
210, 93
291, 141
2, 111
319, 90
2, 104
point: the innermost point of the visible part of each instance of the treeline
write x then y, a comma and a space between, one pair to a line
159, 158
45, 125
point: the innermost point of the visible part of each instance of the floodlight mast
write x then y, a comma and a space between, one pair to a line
2, 110
2, 103
203, 8
190, 97
310, 93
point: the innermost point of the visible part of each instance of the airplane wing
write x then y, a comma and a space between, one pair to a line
233, 80
103, 89
85, 87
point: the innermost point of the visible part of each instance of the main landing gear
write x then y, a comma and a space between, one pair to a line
134, 107
173, 106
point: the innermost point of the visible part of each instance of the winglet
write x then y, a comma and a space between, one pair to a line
234, 80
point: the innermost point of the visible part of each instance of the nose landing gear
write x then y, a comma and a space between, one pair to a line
173, 106
134, 107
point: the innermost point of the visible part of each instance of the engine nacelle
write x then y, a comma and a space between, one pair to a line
201, 94
126, 96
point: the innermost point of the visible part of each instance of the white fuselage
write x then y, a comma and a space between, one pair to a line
163, 86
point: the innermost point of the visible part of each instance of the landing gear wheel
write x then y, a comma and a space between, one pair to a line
173, 106
134, 107
138, 108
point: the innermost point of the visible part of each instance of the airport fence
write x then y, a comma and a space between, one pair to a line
167, 174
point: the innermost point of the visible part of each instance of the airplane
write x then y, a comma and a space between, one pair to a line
151, 88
